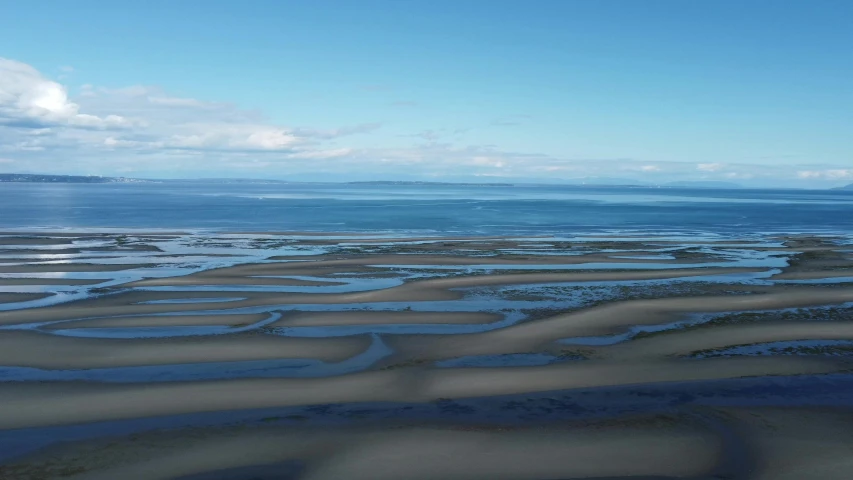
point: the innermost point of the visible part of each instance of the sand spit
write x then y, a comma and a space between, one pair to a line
503, 259
51, 251
51, 281
8, 239
691, 340
216, 277
32, 349
43, 258
481, 382
847, 272
63, 403
607, 319
162, 321
260, 273
69, 267
21, 297
135, 303
315, 319
129, 303
339, 239
100, 234
570, 277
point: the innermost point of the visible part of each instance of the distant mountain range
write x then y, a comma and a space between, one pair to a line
848, 187
34, 178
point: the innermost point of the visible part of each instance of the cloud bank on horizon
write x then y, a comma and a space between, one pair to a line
143, 131
648, 91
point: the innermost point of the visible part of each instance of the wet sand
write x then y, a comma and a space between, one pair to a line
308, 319
21, 297
608, 319
571, 451
31, 349
793, 444
21, 239
440, 289
689, 341
848, 272
51, 403
50, 281
231, 326
68, 267
161, 321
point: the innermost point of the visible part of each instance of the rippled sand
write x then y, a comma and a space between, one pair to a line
276, 356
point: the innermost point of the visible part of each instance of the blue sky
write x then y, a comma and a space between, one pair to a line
755, 92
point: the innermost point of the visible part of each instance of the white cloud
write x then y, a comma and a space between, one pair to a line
114, 142
92, 121
711, 167
322, 154
227, 137
740, 175
488, 161
176, 102
116, 124
271, 139
130, 91
27, 99
832, 174
630, 166
151, 132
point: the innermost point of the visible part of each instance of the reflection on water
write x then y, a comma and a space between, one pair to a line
418, 210
185, 254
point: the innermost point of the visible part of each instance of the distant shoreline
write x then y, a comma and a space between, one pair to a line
578, 182
35, 178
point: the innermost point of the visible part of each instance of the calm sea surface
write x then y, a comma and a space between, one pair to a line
424, 209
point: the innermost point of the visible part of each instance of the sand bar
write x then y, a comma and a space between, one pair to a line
70, 267
519, 259
7, 239
607, 319
58, 403
52, 281
374, 453
32, 349
21, 297
813, 275
682, 343
314, 319
424, 290
217, 277
162, 321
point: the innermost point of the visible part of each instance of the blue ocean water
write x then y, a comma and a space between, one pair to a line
426, 209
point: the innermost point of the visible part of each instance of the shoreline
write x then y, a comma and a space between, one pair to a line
462, 331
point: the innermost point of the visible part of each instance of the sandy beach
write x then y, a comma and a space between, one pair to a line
420, 348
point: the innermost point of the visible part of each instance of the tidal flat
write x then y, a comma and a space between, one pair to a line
268, 356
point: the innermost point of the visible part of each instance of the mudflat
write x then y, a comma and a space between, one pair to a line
321, 357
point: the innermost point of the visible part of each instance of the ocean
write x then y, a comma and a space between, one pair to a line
422, 209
